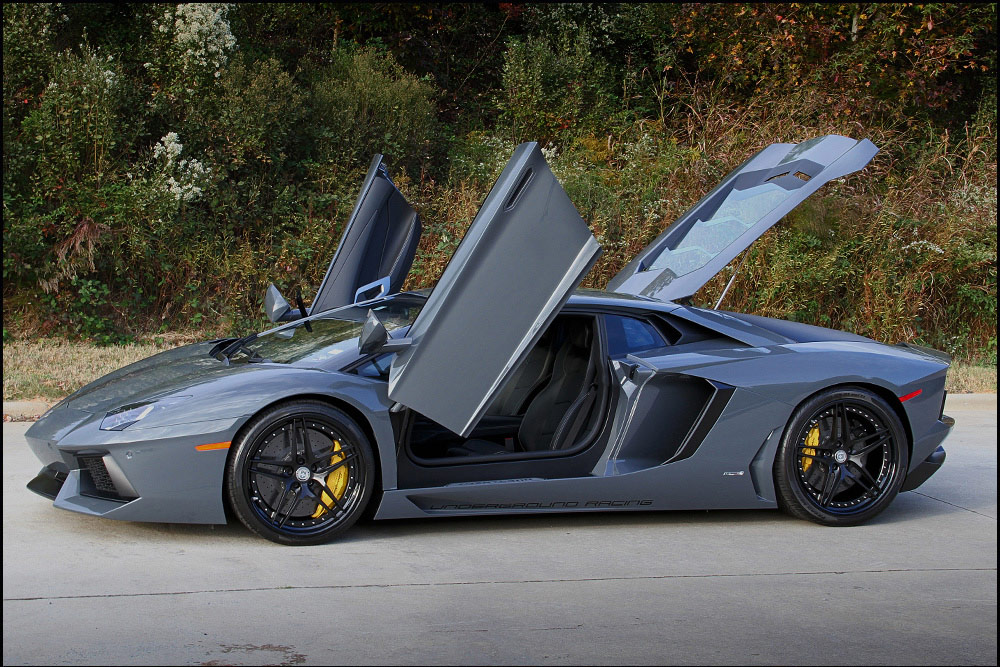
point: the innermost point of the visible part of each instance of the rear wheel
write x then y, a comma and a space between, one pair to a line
843, 458
301, 473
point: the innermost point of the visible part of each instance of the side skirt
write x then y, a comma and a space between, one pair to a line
661, 488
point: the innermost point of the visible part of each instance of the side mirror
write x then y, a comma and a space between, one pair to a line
275, 305
375, 338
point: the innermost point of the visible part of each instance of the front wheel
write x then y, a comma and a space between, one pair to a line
842, 459
301, 473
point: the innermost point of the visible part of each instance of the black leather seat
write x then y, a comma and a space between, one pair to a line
530, 378
556, 415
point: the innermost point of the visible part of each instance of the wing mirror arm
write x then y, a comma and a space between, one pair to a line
396, 344
375, 338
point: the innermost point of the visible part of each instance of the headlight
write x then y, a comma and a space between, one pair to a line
123, 417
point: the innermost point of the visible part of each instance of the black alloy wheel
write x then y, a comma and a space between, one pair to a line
300, 473
843, 458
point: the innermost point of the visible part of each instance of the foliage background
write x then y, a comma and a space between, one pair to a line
162, 163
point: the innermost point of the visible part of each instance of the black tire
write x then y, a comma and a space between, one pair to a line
842, 459
300, 473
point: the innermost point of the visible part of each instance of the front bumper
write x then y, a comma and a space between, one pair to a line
49, 481
153, 474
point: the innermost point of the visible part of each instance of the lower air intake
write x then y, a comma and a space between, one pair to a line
103, 486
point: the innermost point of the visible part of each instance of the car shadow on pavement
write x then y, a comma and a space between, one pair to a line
907, 507
904, 509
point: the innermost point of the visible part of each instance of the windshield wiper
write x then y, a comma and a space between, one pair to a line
242, 344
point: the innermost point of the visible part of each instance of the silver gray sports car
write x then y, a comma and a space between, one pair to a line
508, 390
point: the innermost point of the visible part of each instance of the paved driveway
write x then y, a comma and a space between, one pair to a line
917, 585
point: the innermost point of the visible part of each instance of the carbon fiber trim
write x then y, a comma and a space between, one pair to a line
706, 420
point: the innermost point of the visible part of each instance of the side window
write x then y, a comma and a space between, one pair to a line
377, 367
629, 335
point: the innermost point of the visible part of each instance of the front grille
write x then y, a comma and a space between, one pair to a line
104, 486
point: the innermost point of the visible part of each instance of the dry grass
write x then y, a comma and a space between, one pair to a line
970, 379
51, 369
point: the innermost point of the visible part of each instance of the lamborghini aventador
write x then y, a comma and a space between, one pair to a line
507, 390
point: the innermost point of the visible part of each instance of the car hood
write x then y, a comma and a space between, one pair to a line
161, 375
189, 386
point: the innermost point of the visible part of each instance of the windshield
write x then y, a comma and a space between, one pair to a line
331, 337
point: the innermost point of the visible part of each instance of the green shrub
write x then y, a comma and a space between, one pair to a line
553, 89
365, 103
28, 55
77, 140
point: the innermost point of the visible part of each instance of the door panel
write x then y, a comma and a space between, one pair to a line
748, 202
377, 247
524, 253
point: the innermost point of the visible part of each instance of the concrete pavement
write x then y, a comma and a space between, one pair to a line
917, 585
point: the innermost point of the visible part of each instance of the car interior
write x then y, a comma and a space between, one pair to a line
551, 404
556, 401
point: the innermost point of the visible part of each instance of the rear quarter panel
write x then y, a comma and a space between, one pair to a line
791, 373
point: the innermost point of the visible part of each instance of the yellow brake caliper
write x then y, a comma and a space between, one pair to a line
811, 445
336, 481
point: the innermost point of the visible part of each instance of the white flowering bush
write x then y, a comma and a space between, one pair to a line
182, 178
200, 36
194, 44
